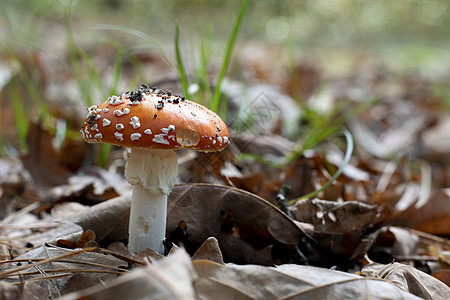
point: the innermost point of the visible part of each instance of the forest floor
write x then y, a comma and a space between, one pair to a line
336, 182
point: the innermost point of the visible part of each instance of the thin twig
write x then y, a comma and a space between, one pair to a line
46, 272
72, 253
12, 245
122, 257
61, 261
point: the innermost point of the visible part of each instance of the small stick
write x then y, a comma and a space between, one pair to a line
72, 253
122, 257
62, 261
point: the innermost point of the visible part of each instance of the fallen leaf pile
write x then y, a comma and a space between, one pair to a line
238, 224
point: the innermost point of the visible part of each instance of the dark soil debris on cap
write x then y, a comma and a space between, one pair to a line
145, 89
136, 95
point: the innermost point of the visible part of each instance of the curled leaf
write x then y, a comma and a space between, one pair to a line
409, 279
288, 282
238, 219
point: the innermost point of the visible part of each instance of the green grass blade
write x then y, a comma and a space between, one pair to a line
74, 58
93, 76
20, 115
117, 69
348, 155
226, 60
204, 61
105, 150
28, 81
180, 66
259, 159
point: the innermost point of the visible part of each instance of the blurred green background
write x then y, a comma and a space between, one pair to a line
404, 33
82, 51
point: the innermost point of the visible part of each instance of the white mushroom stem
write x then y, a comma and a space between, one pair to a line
153, 175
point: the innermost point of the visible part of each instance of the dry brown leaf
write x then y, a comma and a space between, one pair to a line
402, 135
409, 279
24, 229
252, 183
40, 160
314, 169
15, 183
304, 79
12, 173
65, 210
438, 250
62, 230
30, 291
338, 226
120, 249
95, 185
73, 152
405, 242
288, 282
86, 240
270, 146
109, 219
334, 217
209, 250
238, 219
443, 275
299, 176
433, 217
91, 263
170, 278
148, 254
77, 282
437, 138
391, 242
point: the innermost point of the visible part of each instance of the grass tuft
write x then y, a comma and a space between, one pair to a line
347, 157
226, 61
180, 65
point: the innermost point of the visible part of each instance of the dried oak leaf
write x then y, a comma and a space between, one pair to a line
86, 240
432, 217
108, 219
338, 226
170, 278
63, 230
209, 250
288, 282
90, 264
334, 217
245, 225
409, 279
388, 243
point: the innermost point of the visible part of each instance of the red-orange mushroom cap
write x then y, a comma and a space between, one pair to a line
155, 119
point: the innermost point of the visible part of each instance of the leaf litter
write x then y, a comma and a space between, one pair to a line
380, 230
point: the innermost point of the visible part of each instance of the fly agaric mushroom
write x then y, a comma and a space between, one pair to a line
153, 123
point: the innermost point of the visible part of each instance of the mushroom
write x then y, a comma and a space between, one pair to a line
153, 123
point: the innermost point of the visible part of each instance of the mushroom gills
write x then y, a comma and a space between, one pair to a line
188, 137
